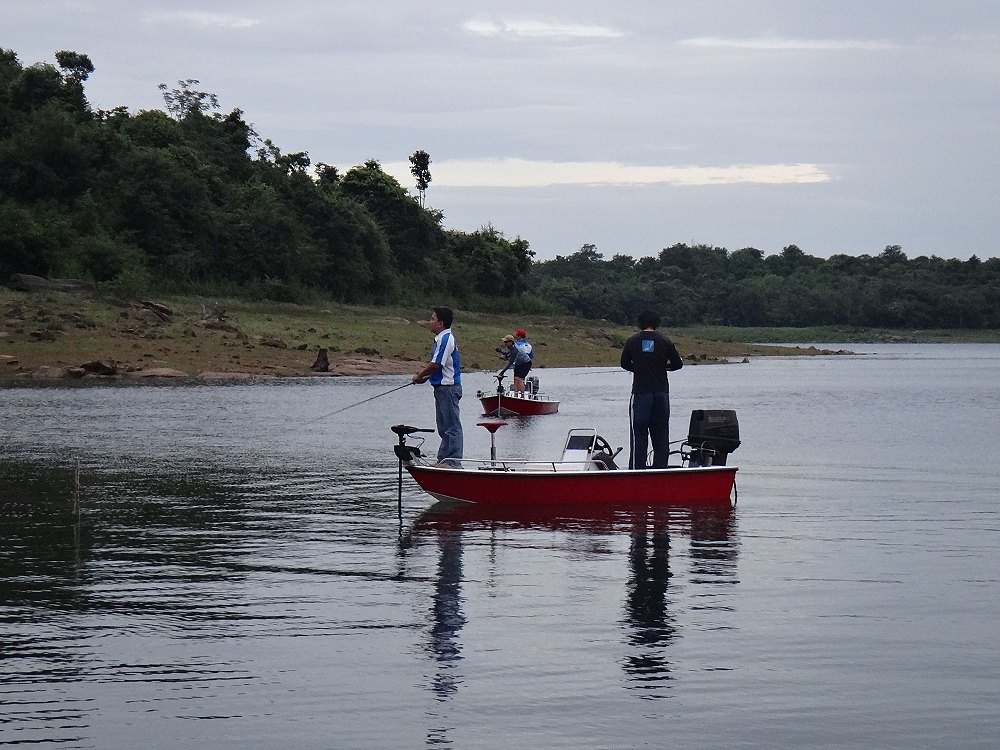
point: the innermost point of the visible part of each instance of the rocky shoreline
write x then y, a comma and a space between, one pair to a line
50, 335
108, 372
134, 346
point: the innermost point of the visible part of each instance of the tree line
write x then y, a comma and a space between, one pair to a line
710, 285
190, 198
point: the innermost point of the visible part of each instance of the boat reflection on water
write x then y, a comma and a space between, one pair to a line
711, 519
652, 617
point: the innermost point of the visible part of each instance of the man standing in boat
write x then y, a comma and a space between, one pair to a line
649, 356
520, 356
445, 373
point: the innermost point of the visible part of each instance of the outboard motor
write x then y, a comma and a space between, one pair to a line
531, 384
712, 436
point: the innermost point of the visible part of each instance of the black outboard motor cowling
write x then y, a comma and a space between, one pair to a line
712, 436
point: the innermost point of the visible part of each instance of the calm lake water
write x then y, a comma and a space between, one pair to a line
239, 573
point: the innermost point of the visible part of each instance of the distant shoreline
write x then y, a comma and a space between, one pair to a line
55, 336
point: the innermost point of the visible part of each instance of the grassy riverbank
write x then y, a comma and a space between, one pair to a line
52, 334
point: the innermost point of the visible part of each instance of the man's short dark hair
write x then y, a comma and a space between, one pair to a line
647, 319
445, 315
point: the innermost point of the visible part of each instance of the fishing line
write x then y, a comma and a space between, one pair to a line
351, 406
611, 369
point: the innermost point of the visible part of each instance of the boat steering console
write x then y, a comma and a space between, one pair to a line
604, 454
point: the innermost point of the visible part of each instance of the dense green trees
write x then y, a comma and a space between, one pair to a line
700, 284
191, 197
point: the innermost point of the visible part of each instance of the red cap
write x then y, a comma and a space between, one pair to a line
521, 332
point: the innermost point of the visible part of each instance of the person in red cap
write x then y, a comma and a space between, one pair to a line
520, 359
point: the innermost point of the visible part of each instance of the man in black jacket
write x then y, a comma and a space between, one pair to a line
649, 356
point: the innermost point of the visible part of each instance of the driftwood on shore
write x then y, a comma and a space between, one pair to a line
216, 319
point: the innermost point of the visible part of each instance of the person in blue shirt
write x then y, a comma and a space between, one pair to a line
444, 372
520, 357
649, 356
506, 343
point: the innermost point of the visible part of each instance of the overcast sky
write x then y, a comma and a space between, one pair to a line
840, 126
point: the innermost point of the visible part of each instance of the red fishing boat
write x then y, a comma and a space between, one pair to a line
508, 403
586, 473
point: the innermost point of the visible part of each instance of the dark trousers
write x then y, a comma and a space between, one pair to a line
649, 416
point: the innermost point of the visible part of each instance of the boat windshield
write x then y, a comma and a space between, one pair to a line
579, 442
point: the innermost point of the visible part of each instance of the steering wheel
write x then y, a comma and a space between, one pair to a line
601, 446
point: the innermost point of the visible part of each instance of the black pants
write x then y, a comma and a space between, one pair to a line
649, 415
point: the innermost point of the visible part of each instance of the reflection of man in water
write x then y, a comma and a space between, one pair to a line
646, 605
448, 618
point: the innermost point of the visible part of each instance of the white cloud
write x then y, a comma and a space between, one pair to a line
201, 19
523, 173
783, 43
532, 29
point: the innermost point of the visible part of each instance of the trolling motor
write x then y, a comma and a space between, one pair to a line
500, 394
406, 454
530, 385
500, 390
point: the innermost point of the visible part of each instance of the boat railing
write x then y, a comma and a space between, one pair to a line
527, 396
533, 465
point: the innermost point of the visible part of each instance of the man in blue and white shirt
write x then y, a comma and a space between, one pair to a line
444, 372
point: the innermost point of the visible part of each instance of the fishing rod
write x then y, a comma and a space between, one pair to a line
610, 369
351, 406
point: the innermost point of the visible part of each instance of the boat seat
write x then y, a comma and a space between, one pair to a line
578, 450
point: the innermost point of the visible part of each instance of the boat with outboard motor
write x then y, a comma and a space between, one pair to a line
586, 474
510, 403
